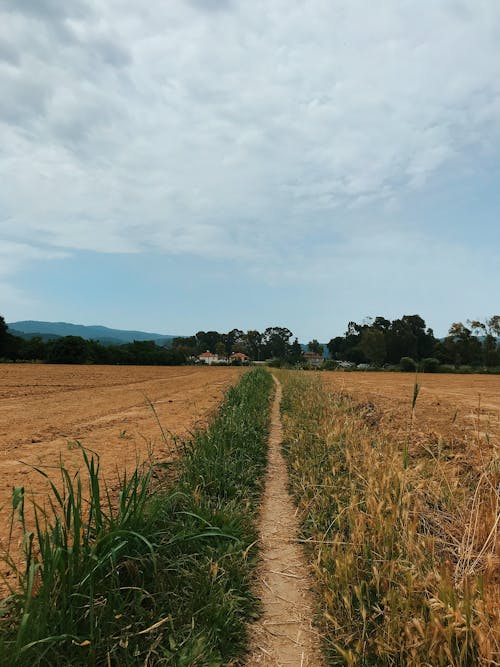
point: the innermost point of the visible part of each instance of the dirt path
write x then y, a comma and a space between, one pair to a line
283, 636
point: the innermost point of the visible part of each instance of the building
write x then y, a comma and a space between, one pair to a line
208, 358
239, 358
313, 359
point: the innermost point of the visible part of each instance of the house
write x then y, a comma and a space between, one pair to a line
239, 358
208, 358
313, 359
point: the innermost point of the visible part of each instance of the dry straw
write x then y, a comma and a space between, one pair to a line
405, 555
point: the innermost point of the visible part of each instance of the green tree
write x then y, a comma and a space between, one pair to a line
235, 341
3, 336
489, 332
207, 340
276, 342
373, 345
220, 349
463, 346
314, 346
295, 354
68, 350
254, 344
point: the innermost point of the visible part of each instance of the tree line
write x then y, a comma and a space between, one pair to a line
406, 342
77, 350
273, 343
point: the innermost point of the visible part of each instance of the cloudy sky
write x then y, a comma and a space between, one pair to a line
205, 164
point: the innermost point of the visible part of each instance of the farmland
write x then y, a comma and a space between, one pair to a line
397, 491
147, 578
455, 406
45, 409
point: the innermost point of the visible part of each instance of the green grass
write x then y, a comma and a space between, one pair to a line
402, 541
160, 574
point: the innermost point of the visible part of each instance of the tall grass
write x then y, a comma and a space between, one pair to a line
160, 574
405, 556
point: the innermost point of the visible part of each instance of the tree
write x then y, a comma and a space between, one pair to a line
10, 346
254, 344
463, 347
276, 342
337, 347
373, 345
220, 349
489, 333
314, 346
207, 340
3, 336
234, 339
295, 354
68, 350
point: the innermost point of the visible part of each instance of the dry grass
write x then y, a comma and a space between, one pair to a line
404, 539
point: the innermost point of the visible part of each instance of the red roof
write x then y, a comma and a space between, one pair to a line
206, 355
240, 355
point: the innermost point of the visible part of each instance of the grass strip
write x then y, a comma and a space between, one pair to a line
402, 542
158, 578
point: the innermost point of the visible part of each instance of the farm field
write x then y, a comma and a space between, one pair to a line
45, 409
400, 513
448, 405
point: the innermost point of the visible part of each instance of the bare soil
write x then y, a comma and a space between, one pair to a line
46, 409
453, 407
284, 634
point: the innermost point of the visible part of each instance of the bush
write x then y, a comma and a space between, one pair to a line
407, 365
430, 365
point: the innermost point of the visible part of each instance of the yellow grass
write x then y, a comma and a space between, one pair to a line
405, 548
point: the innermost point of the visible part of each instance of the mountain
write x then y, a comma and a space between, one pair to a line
28, 336
105, 335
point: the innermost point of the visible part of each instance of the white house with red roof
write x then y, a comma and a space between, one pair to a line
208, 358
239, 358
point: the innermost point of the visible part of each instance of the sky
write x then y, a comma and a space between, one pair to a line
211, 164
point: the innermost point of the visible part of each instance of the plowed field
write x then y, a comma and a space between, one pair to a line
448, 406
45, 409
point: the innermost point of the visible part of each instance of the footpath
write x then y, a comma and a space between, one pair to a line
284, 635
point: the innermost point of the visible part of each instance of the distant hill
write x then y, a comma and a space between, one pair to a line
27, 336
105, 335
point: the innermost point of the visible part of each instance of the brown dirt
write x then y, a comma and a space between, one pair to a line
284, 634
454, 407
45, 409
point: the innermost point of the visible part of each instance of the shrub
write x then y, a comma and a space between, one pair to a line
407, 365
430, 365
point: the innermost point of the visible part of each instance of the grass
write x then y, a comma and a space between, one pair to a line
403, 540
157, 574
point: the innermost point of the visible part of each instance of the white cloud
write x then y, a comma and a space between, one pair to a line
221, 127
14, 256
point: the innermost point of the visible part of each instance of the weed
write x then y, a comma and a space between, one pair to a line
404, 557
145, 578
73, 444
